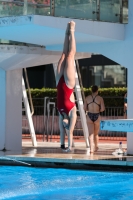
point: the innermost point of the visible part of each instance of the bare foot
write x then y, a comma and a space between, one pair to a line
91, 150
96, 149
72, 26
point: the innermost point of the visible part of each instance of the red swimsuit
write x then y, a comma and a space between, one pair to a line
63, 97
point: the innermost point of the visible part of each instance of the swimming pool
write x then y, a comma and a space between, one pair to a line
62, 184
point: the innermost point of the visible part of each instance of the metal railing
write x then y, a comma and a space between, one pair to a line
48, 128
29, 92
18, 8
96, 10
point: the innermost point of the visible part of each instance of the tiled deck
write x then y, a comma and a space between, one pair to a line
48, 154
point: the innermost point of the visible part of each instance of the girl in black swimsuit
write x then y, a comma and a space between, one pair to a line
94, 116
93, 105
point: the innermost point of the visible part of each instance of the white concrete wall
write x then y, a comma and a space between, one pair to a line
2, 108
49, 31
11, 110
18, 57
14, 110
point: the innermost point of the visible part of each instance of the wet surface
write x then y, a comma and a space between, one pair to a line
51, 152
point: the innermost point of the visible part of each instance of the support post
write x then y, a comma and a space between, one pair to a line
81, 109
130, 109
2, 108
11, 110
28, 114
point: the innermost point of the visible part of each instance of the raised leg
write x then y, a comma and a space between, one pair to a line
69, 70
62, 61
66, 41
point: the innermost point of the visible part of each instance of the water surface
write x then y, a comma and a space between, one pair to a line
63, 184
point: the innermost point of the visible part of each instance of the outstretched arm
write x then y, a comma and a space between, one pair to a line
62, 131
85, 104
102, 105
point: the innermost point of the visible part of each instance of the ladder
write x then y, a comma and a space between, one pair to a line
47, 105
28, 112
79, 99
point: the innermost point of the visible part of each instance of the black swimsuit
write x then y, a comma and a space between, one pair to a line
94, 116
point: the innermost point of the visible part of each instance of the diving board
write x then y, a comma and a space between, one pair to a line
122, 125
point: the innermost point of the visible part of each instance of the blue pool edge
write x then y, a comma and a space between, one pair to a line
111, 164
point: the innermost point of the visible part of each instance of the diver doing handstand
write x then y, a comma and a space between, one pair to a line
65, 81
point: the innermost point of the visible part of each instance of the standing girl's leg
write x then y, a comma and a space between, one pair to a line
96, 131
91, 136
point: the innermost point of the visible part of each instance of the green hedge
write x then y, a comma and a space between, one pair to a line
113, 97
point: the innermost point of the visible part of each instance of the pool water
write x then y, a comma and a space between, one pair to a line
63, 184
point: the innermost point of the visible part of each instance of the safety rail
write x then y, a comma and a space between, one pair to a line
97, 10
47, 107
18, 8
80, 80
46, 123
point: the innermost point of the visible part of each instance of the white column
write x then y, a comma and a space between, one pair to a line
81, 110
11, 110
130, 109
129, 39
2, 108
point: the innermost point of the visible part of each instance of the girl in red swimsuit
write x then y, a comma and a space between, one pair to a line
65, 81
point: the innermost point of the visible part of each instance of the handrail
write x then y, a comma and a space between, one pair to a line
23, 3
98, 13
29, 92
80, 80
